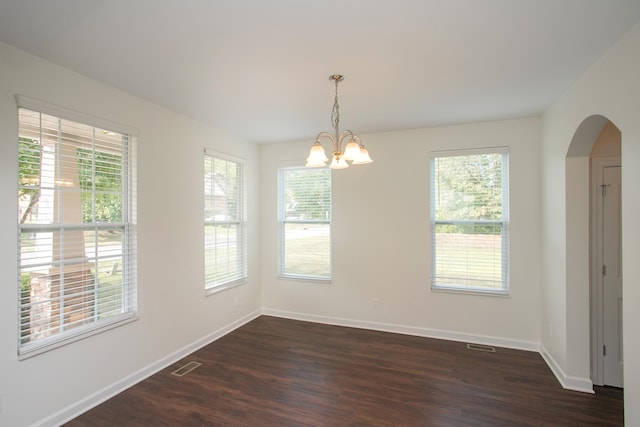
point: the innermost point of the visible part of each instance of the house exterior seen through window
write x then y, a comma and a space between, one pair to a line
470, 220
76, 226
225, 222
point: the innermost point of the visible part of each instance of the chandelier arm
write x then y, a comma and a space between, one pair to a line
325, 135
346, 133
332, 139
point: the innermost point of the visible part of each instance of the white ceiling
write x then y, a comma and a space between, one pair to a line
259, 69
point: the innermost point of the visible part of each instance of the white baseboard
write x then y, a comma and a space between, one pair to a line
407, 330
72, 411
568, 382
108, 392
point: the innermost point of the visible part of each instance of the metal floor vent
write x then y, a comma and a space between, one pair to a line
481, 347
184, 370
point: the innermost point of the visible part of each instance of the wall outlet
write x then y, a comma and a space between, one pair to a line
376, 303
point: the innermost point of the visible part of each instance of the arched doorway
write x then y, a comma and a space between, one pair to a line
593, 222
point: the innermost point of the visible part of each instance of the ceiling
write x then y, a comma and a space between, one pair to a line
259, 69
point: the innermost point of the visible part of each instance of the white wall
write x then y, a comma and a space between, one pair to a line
608, 142
175, 316
379, 252
610, 88
381, 240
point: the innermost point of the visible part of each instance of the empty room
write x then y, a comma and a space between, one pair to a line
404, 212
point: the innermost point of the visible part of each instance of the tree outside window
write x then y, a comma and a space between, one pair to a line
469, 220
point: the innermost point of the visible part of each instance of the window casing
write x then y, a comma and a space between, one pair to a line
225, 222
470, 220
304, 216
76, 226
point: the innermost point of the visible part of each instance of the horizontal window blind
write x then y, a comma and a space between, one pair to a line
225, 222
305, 222
469, 220
76, 228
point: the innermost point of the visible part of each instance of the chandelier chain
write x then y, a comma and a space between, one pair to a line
335, 113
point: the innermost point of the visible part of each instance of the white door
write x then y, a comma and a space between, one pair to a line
612, 276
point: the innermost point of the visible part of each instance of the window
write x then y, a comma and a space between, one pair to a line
470, 220
305, 222
76, 227
225, 223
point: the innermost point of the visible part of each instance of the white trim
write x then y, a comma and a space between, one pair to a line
241, 222
471, 291
290, 164
219, 288
59, 340
282, 224
597, 164
470, 151
583, 385
73, 115
30, 123
504, 221
308, 279
224, 156
74, 410
407, 330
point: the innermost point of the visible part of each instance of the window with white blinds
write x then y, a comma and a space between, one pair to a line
76, 228
225, 222
305, 222
470, 220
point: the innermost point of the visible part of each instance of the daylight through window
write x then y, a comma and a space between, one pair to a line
225, 236
305, 222
470, 220
76, 225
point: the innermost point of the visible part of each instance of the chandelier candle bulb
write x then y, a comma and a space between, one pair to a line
354, 151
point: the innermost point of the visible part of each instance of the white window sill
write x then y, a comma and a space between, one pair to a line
220, 288
53, 342
308, 279
482, 292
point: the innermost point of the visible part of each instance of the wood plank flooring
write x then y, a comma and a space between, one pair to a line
278, 372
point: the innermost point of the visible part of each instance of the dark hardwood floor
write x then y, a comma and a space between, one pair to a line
278, 372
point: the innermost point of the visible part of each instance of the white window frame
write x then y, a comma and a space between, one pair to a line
128, 227
503, 222
239, 222
283, 221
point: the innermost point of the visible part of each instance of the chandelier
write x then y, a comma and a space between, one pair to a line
353, 151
